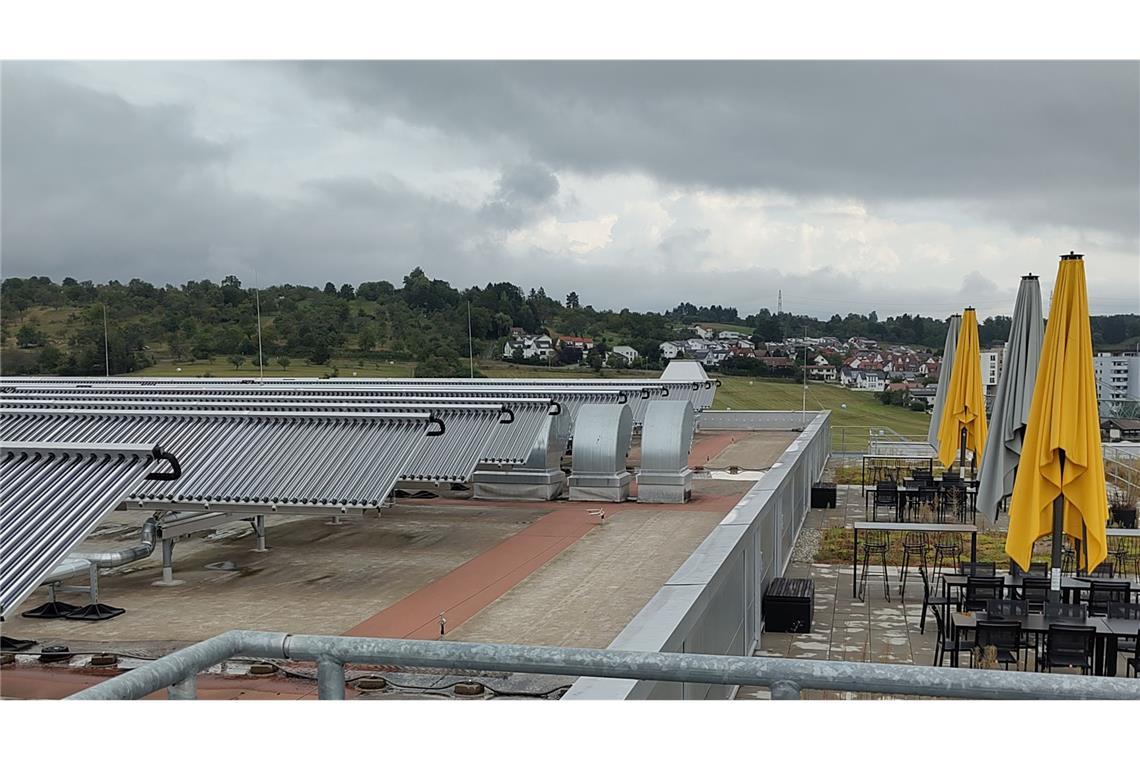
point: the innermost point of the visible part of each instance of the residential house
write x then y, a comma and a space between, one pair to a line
585, 344
629, 353
704, 332
672, 349
531, 346
823, 373
1119, 429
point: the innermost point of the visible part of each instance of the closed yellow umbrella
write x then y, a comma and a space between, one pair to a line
965, 406
1061, 458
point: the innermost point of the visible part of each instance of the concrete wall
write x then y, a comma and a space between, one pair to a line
711, 605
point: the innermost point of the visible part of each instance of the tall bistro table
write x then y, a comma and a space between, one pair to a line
907, 527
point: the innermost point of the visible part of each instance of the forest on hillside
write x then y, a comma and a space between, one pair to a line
58, 328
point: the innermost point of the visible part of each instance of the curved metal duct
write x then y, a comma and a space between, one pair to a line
666, 441
601, 445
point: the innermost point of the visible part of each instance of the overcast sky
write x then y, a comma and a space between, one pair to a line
919, 187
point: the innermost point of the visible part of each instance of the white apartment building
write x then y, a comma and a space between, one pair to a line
992, 362
1117, 376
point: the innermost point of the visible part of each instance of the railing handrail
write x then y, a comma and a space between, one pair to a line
786, 677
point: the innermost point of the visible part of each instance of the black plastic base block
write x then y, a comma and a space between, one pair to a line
95, 612
9, 644
50, 610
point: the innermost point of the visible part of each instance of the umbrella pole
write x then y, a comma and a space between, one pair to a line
1058, 531
962, 453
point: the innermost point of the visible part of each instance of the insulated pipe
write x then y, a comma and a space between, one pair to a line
142, 550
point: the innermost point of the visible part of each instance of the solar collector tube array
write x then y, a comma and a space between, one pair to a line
496, 430
242, 458
51, 497
636, 393
569, 400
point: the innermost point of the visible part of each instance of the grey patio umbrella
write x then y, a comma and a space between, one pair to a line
944, 378
1010, 412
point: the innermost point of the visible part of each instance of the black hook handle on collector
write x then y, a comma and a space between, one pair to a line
165, 456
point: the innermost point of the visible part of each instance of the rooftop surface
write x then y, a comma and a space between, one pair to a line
521, 572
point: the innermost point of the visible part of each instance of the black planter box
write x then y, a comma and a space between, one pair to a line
823, 496
788, 605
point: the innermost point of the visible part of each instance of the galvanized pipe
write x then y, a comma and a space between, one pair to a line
178, 666
785, 690
608, 663
187, 688
330, 678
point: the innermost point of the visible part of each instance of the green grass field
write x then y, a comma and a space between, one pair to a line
217, 367
849, 424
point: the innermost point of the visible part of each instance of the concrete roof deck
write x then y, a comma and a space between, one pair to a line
523, 572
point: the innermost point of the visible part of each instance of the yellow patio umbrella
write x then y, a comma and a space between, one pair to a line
964, 414
1061, 460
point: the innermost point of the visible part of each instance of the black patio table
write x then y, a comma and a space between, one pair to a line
905, 526
1037, 624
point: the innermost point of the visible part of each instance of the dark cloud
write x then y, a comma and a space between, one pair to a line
521, 191
98, 186
1027, 142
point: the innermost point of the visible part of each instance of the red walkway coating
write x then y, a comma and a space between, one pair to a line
469, 588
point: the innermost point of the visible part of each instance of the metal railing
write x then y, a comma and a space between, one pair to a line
787, 678
861, 438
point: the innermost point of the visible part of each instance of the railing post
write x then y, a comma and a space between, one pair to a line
785, 690
187, 688
330, 679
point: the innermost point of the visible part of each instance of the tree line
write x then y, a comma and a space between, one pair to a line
50, 327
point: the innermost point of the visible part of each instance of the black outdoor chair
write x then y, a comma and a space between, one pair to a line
1132, 666
978, 569
1036, 569
886, 495
929, 599
914, 545
1068, 560
952, 501
1034, 592
877, 543
1119, 550
945, 643
1006, 608
1126, 611
1102, 592
1067, 612
1069, 646
1103, 570
926, 500
981, 590
947, 546
1004, 636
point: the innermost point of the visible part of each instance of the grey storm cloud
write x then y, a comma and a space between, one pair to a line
1030, 142
99, 185
521, 191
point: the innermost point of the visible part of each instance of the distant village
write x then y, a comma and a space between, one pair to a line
861, 364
